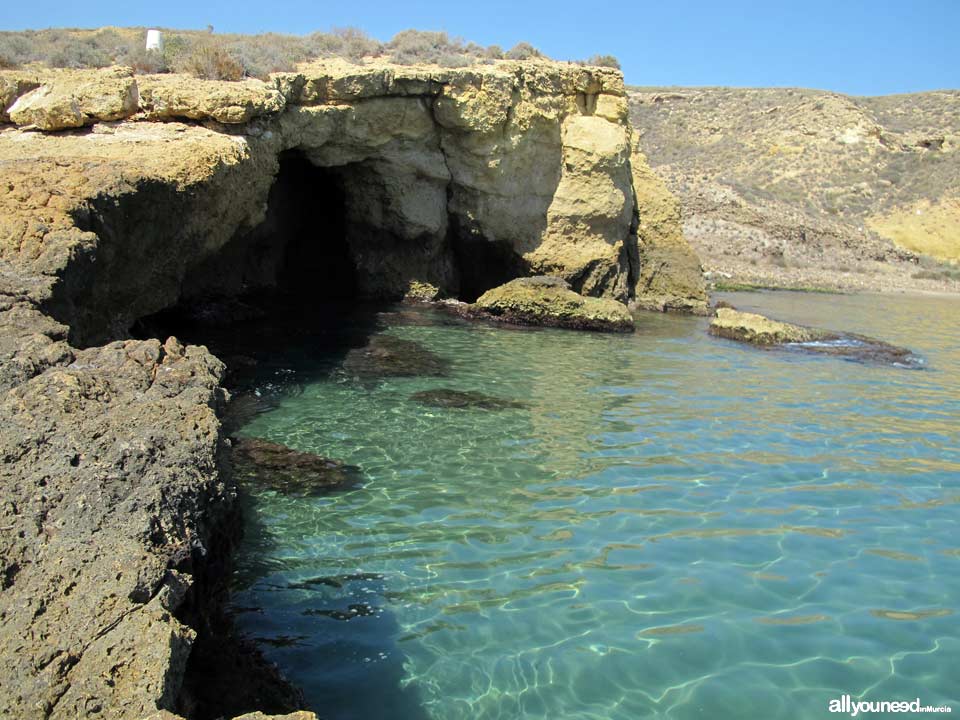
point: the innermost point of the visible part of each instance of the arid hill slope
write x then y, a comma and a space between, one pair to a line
793, 187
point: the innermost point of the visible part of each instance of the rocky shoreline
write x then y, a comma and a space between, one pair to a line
125, 196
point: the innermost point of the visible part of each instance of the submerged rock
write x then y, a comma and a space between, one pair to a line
549, 301
391, 356
290, 471
243, 408
759, 330
448, 398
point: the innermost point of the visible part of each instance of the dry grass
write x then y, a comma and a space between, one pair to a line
231, 56
924, 227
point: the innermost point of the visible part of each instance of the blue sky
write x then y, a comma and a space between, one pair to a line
854, 46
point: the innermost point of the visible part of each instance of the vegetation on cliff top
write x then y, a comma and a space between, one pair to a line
232, 57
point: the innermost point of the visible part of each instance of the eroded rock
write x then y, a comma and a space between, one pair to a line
759, 330
165, 97
549, 302
669, 276
72, 99
109, 482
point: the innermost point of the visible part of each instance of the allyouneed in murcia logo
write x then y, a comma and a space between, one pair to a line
846, 704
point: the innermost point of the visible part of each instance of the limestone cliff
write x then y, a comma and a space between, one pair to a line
123, 195
459, 178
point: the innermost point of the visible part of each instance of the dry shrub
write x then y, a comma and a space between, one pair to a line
232, 57
604, 61
209, 60
411, 47
15, 50
76, 53
146, 61
523, 51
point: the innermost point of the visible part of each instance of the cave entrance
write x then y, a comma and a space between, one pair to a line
302, 241
296, 262
483, 263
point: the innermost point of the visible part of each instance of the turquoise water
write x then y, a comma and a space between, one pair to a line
674, 526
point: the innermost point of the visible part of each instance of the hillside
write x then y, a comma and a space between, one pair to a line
789, 187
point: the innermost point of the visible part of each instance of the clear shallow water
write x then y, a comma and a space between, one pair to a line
676, 526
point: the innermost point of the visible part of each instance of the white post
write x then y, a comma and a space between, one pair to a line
154, 40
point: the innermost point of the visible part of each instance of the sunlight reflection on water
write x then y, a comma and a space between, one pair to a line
671, 525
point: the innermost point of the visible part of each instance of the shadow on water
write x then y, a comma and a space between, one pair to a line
330, 632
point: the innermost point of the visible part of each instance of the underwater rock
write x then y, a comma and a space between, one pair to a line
354, 610
759, 330
243, 408
391, 356
549, 301
290, 471
449, 398
334, 581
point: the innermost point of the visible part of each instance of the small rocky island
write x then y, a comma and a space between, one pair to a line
759, 330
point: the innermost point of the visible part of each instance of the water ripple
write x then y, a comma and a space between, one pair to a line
668, 527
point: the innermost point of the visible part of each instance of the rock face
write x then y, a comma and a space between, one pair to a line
759, 330
549, 301
670, 276
456, 179
111, 494
123, 195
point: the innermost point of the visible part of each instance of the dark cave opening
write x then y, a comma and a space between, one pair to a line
293, 267
299, 249
306, 214
483, 264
